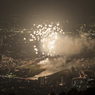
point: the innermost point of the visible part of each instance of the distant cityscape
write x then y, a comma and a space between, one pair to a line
21, 56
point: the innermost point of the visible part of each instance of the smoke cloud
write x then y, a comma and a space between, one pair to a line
66, 46
70, 46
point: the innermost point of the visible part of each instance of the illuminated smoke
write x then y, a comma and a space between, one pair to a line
54, 65
53, 42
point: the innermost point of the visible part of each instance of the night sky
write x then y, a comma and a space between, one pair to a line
46, 8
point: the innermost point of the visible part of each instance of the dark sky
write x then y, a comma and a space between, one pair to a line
47, 7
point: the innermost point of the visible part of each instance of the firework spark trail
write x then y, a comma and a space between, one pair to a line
47, 35
51, 43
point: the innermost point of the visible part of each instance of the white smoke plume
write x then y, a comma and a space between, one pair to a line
54, 65
66, 46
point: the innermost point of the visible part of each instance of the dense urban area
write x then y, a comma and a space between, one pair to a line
22, 60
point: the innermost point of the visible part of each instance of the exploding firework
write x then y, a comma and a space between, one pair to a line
47, 36
48, 40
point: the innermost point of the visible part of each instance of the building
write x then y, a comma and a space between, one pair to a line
91, 81
5, 58
41, 80
61, 79
1, 42
0, 57
80, 83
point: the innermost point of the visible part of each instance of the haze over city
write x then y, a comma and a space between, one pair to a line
47, 47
